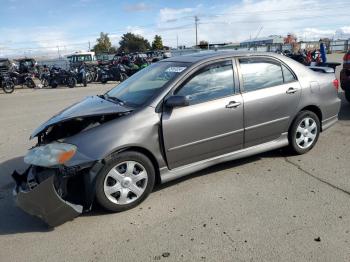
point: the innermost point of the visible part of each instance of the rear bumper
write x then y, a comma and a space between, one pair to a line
42, 200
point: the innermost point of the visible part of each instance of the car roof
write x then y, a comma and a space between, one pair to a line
212, 55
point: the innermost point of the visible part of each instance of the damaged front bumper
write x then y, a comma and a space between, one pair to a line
39, 197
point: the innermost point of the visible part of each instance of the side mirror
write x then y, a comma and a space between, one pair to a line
177, 101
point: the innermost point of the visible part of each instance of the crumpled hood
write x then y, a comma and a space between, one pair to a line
90, 106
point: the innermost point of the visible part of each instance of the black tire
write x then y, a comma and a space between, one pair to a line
45, 82
123, 77
30, 83
293, 133
71, 83
8, 87
347, 95
54, 84
89, 77
119, 158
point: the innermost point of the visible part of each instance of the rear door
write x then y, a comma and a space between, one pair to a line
271, 94
212, 124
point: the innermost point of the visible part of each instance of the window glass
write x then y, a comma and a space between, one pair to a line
146, 83
287, 75
258, 74
212, 82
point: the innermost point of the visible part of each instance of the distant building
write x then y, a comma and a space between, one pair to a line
290, 39
262, 41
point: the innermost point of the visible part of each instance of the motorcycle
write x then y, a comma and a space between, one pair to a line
24, 79
113, 73
58, 76
7, 84
79, 75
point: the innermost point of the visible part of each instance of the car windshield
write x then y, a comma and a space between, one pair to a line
142, 86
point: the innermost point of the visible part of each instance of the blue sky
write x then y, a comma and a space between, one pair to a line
39, 26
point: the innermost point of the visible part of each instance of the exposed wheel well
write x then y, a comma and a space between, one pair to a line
146, 153
315, 110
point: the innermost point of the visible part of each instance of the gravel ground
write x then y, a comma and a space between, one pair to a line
270, 207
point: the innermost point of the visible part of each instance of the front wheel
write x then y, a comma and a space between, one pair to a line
123, 77
30, 83
304, 132
8, 87
125, 181
45, 82
71, 82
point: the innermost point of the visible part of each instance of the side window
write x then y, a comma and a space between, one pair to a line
259, 73
212, 82
287, 75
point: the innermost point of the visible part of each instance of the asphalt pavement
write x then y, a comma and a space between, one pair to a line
270, 207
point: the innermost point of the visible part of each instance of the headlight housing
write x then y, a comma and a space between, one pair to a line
50, 155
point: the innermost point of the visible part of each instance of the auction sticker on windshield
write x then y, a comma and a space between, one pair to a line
176, 69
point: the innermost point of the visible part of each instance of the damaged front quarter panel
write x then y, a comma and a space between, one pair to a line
40, 191
88, 113
42, 199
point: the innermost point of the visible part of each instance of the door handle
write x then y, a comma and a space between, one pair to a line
233, 104
291, 90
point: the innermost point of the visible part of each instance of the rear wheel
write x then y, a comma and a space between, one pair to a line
304, 132
125, 181
54, 84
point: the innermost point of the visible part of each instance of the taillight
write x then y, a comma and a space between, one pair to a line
336, 84
346, 58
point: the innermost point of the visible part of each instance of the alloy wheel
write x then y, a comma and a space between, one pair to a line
306, 133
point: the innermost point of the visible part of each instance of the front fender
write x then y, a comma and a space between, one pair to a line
140, 129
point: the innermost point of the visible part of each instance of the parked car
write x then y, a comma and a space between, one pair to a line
5, 65
26, 65
345, 76
172, 118
78, 58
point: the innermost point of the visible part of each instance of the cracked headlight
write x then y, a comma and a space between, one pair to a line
50, 155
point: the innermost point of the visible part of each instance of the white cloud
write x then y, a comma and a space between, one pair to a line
42, 40
309, 19
172, 14
138, 7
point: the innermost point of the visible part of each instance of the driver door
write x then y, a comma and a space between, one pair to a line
212, 124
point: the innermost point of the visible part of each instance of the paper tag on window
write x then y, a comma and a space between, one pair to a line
176, 69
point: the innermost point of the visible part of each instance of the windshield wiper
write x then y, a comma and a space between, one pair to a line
113, 99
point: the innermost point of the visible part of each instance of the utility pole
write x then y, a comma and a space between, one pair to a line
89, 47
58, 52
177, 41
196, 23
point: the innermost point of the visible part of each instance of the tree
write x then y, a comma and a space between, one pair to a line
103, 44
112, 50
203, 44
131, 43
157, 43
